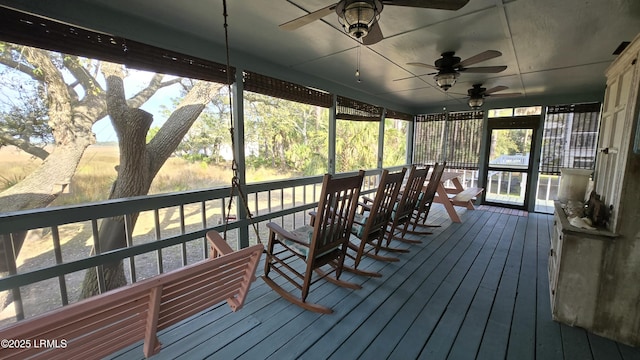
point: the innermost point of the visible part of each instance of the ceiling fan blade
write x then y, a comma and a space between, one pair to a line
505, 95
374, 35
414, 76
483, 56
429, 4
485, 69
495, 89
309, 18
406, 78
423, 65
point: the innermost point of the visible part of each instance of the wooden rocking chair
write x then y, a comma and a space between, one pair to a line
370, 223
403, 210
426, 199
321, 244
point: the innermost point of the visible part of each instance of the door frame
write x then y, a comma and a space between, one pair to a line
532, 122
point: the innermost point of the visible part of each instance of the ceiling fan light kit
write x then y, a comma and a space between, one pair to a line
446, 80
476, 102
357, 17
477, 94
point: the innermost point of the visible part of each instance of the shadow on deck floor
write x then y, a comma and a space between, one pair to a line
474, 290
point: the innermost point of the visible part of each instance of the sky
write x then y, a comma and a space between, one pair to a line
134, 82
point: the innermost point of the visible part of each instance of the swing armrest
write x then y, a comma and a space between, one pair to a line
275, 228
219, 246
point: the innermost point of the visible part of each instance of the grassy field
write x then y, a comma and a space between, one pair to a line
96, 172
92, 181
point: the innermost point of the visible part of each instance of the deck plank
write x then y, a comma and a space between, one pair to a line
393, 274
444, 335
575, 343
434, 295
628, 352
338, 298
603, 349
548, 336
386, 303
356, 342
468, 339
522, 336
396, 329
496, 335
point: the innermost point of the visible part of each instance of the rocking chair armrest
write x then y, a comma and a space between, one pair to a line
367, 199
364, 207
285, 234
313, 214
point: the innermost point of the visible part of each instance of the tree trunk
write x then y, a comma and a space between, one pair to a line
71, 118
139, 163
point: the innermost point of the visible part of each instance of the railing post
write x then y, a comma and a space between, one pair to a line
10, 258
489, 176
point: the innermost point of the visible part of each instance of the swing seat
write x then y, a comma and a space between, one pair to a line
296, 255
98, 326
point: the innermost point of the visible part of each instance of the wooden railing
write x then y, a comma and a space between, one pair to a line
169, 233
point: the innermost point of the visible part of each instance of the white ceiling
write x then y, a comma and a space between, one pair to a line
555, 50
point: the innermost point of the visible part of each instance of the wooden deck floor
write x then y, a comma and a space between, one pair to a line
474, 290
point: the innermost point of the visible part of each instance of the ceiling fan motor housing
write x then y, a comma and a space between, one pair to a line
448, 61
476, 91
357, 16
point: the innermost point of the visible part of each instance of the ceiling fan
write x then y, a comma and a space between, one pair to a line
477, 94
450, 66
359, 18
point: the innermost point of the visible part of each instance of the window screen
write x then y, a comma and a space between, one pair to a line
570, 137
453, 137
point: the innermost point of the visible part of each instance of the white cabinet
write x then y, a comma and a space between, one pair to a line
594, 279
575, 267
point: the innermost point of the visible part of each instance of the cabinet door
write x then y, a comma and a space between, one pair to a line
617, 118
555, 253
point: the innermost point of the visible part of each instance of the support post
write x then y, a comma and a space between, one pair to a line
238, 139
411, 129
383, 115
332, 135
